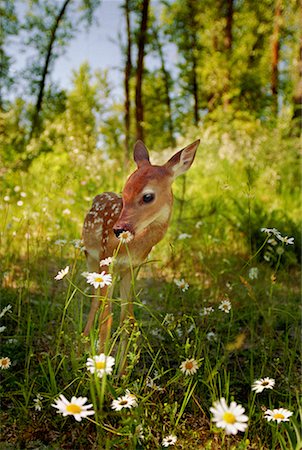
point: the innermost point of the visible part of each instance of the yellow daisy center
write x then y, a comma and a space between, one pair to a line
279, 416
265, 383
189, 365
99, 279
100, 364
123, 402
228, 417
73, 409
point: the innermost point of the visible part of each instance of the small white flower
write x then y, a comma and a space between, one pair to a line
6, 198
198, 224
5, 310
253, 273
278, 415
19, 203
60, 242
151, 384
17, 189
61, 274
106, 261
225, 305
211, 336
5, 363
207, 310
23, 194
126, 401
77, 243
100, 364
189, 366
182, 284
76, 407
271, 231
66, 212
125, 237
184, 236
230, 418
286, 240
169, 440
38, 402
99, 279
263, 383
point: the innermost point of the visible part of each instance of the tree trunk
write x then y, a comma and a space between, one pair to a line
297, 98
128, 71
139, 111
193, 31
167, 81
228, 42
275, 56
35, 121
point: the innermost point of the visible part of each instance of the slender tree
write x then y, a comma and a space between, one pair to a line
128, 71
139, 108
275, 55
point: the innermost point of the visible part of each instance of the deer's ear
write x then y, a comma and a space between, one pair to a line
140, 154
182, 160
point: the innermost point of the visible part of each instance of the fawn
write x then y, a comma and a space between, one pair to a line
141, 215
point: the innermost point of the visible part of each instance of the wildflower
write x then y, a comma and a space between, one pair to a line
263, 383
23, 194
19, 203
77, 243
182, 284
99, 279
126, 401
76, 407
5, 310
140, 432
151, 384
2, 328
169, 440
271, 231
286, 240
225, 305
61, 274
184, 236
100, 364
38, 402
125, 237
17, 189
66, 212
253, 273
189, 366
106, 261
5, 363
207, 310
231, 418
279, 415
6, 198
198, 224
60, 242
211, 336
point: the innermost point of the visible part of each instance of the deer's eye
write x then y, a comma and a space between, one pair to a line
147, 198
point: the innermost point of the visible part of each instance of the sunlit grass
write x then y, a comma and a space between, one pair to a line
215, 245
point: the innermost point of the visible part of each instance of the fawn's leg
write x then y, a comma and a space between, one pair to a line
93, 265
126, 313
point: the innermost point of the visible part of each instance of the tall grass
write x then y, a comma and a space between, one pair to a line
226, 200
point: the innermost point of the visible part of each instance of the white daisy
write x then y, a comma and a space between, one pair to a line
99, 279
207, 310
230, 418
279, 415
271, 231
125, 237
182, 284
184, 236
287, 240
5, 310
106, 261
225, 305
100, 364
263, 383
189, 366
61, 274
5, 362
169, 440
253, 273
76, 407
38, 402
126, 401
